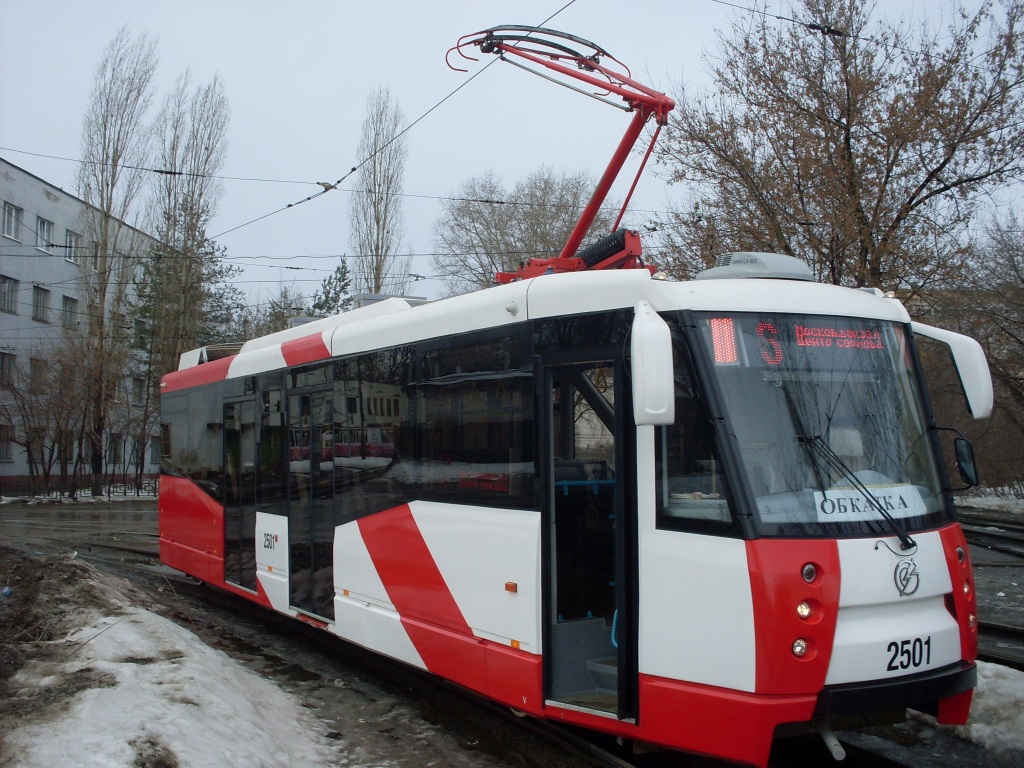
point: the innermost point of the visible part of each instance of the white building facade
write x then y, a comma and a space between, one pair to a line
45, 263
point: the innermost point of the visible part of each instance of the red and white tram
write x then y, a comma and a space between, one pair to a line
691, 514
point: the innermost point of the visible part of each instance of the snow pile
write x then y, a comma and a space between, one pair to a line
997, 710
164, 698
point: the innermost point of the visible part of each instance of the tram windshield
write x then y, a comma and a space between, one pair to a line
828, 416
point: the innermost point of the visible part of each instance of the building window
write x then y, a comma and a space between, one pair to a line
65, 446
115, 449
6, 442
6, 369
165, 441
37, 373
141, 332
138, 391
69, 312
40, 304
72, 244
8, 294
44, 234
12, 221
155, 449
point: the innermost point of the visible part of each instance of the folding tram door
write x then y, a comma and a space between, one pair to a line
590, 607
310, 501
239, 492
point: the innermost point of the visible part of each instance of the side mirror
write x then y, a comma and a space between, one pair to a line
971, 366
654, 387
965, 461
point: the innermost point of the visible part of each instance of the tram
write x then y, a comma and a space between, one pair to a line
695, 515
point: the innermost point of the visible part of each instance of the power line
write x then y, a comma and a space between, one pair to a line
827, 30
331, 187
160, 171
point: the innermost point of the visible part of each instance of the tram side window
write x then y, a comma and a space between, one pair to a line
370, 407
692, 493
474, 426
195, 422
272, 478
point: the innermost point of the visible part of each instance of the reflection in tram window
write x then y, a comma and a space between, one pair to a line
474, 424
461, 432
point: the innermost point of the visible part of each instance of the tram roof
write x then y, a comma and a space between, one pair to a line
395, 321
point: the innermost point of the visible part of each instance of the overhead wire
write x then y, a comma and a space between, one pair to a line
331, 187
827, 30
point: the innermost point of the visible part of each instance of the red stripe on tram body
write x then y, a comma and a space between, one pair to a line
308, 349
415, 586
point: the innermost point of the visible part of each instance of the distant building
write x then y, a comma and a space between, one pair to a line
44, 302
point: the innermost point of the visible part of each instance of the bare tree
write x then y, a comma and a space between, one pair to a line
860, 146
115, 150
376, 209
41, 402
181, 279
486, 228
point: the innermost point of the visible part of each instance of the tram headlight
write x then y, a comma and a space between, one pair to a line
809, 572
803, 610
799, 647
967, 587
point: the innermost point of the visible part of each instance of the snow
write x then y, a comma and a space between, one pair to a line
997, 712
162, 686
993, 502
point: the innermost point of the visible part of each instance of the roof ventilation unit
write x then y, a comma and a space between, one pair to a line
751, 264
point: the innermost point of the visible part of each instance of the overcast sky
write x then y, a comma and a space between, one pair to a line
297, 76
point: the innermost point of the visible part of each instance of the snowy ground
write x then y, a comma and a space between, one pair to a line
152, 694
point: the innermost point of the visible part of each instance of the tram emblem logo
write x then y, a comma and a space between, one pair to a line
906, 577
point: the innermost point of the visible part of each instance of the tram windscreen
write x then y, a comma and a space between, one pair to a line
828, 416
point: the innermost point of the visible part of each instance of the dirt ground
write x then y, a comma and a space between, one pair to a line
46, 597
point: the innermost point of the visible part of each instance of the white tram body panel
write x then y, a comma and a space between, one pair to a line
363, 611
697, 613
886, 602
490, 560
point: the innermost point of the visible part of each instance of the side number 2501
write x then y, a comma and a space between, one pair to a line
909, 654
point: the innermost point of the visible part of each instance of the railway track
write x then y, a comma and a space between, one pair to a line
1001, 644
1001, 532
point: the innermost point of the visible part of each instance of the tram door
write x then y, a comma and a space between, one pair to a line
238, 492
590, 649
310, 501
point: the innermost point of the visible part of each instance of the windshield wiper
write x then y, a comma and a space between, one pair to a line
836, 462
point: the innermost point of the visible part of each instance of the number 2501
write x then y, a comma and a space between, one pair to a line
907, 654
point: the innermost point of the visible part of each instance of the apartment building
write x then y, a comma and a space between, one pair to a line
46, 266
